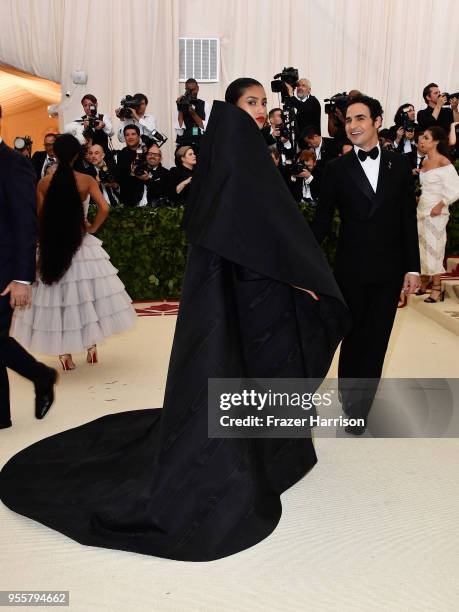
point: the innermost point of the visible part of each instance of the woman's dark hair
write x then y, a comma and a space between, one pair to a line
237, 88
141, 97
398, 115
180, 154
439, 134
61, 222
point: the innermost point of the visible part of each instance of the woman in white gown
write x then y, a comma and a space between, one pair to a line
440, 188
78, 299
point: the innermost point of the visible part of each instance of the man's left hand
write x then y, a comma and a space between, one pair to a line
411, 283
20, 295
100, 125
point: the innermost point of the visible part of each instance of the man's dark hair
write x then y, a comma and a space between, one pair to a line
191, 80
141, 97
426, 90
90, 97
308, 131
373, 105
272, 111
50, 134
131, 126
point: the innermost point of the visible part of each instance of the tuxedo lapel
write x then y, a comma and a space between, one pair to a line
358, 175
383, 180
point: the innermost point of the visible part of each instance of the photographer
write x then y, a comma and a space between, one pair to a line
96, 124
336, 111
134, 113
306, 106
325, 149
131, 173
181, 175
42, 160
405, 128
105, 174
305, 178
158, 176
23, 145
435, 112
192, 116
278, 134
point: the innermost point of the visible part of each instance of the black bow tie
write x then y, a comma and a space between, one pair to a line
373, 153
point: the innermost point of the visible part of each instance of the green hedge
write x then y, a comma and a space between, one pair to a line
149, 248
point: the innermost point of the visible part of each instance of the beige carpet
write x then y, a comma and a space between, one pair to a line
373, 527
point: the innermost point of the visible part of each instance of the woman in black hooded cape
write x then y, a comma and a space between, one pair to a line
152, 481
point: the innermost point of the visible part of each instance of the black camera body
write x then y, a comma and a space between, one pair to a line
183, 105
126, 105
91, 117
407, 125
288, 75
22, 142
339, 100
297, 167
449, 96
105, 175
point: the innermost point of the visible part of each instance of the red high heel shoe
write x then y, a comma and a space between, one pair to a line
67, 362
92, 354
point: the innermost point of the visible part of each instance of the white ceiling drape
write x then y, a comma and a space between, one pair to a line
388, 48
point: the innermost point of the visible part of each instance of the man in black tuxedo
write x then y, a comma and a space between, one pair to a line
18, 233
307, 107
42, 160
377, 251
133, 190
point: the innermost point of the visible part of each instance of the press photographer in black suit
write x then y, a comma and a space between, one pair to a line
305, 179
377, 249
42, 160
133, 191
325, 148
18, 237
436, 112
158, 176
405, 129
96, 124
105, 176
307, 106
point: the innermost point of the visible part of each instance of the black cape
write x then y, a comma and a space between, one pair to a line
152, 481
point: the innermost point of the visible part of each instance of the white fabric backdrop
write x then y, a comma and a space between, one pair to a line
386, 48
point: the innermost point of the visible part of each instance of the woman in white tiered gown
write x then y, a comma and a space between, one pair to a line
78, 299
440, 188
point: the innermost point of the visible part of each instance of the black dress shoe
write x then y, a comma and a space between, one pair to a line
44, 395
5, 425
355, 430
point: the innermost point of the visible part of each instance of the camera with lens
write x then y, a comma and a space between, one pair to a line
126, 105
283, 130
407, 124
159, 138
105, 176
140, 164
297, 167
339, 101
449, 96
91, 117
184, 103
288, 75
22, 142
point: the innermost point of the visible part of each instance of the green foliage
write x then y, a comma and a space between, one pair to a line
149, 248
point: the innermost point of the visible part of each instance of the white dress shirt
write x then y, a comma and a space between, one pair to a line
370, 166
49, 161
146, 125
318, 150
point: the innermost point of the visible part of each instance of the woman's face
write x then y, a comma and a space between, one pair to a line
254, 102
189, 157
426, 142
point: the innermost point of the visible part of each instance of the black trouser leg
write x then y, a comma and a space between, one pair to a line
5, 415
373, 309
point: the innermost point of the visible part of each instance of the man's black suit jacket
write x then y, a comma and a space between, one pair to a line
18, 217
307, 112
378, 237
38, 159
131, 187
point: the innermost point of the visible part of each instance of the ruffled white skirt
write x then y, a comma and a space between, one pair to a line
86, 306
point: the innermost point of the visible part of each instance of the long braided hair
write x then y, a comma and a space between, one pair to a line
61, 222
